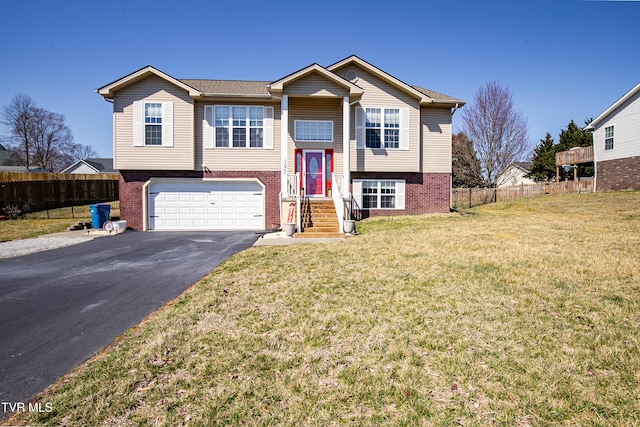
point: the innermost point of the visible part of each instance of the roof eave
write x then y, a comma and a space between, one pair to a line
108, 91
278, 85
624, 98
237, 95
384, 75
443, 103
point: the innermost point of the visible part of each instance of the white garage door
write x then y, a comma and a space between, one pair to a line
206, 205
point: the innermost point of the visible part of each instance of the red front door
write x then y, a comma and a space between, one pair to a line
313, 176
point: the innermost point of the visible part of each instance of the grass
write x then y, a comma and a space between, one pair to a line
517, 314
46, 222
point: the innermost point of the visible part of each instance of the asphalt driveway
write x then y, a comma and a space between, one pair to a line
60, 307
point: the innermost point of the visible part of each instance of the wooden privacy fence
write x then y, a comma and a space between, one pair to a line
469, 197
40, 191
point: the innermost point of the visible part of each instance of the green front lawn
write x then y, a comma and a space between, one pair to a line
515, 314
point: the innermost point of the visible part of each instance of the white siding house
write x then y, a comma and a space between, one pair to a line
616, 144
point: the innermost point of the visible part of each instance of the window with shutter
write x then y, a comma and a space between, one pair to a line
382, 128
237, 126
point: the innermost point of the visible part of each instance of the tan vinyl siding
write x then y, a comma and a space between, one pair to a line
379, 93
316, 109
126, 155
315, 85
436, 137
237, 159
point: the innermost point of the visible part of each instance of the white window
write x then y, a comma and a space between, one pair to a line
608, 138
244, 126
234, 126
153, 123
313, 130
379, 194
382, 128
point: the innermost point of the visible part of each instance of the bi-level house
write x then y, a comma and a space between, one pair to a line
221, 154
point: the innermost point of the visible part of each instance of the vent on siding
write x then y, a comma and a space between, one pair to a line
351, 75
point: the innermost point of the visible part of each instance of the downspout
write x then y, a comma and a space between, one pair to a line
455, 108
595, 164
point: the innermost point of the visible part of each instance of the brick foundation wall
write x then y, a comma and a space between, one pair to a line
132, 182
619, 174
424, 193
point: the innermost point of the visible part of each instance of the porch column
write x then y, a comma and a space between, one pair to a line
284, 133
346, 151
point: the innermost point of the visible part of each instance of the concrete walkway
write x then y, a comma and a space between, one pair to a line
280, 238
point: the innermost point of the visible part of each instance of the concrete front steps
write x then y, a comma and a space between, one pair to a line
319, 219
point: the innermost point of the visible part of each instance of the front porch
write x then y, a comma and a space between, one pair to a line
316, 215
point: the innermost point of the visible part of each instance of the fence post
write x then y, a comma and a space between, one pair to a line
470, 190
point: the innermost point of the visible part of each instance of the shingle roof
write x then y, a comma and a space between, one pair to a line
524, 165
230, 87
437, 96
102, 164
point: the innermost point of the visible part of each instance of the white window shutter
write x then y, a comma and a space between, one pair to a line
208, 130
268, 129
404, 129
360, 129
356, 189
400, 194
167, 124
138, 123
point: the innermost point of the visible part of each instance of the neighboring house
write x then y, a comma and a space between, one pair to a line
616, 144
515, 174
226, 154
91, 165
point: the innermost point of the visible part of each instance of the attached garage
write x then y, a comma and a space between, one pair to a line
206, 205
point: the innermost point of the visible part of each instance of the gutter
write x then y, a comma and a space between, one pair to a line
231, 95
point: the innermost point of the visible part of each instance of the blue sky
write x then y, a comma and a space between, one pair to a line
561, 59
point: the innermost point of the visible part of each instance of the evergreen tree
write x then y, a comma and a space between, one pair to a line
574, 136
466, 166
543, 166
544, 157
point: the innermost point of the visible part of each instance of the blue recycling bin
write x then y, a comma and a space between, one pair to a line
99, 214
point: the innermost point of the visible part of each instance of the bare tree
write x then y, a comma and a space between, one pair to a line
80, 152
499, 132
51, 139
16, 119
38, 137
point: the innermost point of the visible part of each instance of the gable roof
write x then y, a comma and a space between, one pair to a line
278, 85
201, 88
100, 165
613, 107
424, 95
108, 90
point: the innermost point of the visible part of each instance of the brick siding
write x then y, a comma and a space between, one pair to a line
619, 174
132, 182
424, 193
